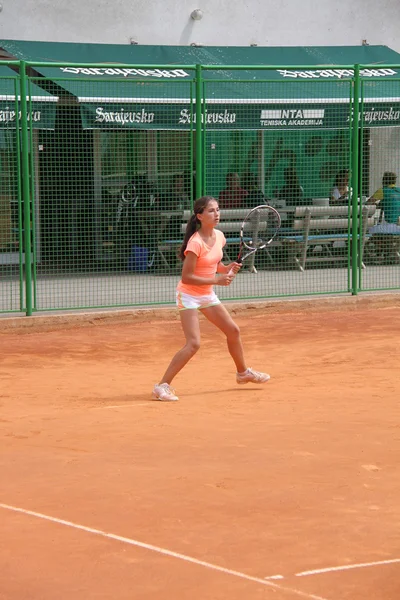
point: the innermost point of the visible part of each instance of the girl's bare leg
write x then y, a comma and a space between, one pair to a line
191, 329
219, 316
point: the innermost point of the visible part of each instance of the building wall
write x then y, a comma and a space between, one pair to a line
224, 22
384, 154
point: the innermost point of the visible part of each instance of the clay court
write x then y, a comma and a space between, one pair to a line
283, 491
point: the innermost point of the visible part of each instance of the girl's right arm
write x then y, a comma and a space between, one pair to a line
189, 278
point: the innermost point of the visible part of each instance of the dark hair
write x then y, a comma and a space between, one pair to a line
231, 176
291, 175
341, 175
193, 223
388, 179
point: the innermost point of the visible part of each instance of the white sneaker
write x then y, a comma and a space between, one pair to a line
251, 376
164, 392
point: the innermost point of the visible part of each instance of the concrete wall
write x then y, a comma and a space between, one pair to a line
224, 22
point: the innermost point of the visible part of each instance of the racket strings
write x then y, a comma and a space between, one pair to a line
260, 226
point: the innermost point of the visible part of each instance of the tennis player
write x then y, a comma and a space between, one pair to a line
202, 253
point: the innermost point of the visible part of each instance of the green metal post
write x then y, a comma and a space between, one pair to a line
26, 188
32, 196
204, 138
354, 181
199, 132
361, 186
19, 199
191, 153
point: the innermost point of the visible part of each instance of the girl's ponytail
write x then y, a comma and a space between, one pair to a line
194, 224
191, 228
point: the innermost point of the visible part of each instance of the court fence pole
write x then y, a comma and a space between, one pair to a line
360, 244
199, 132
354, 181
17, 94
26, 200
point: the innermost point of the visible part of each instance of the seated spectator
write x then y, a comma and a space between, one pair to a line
377, 196
233, 196
386, 235
388, 180
255, 196
340, 192
391, 200
292, 192
388, 197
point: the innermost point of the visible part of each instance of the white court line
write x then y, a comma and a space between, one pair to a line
348, 567
164, 551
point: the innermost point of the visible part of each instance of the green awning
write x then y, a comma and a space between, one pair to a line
41, 104
162, 97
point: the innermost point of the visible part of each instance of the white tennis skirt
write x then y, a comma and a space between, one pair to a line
188, 302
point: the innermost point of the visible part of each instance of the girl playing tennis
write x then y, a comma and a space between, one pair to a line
201, 253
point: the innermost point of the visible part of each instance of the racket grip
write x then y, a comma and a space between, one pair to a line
231, 272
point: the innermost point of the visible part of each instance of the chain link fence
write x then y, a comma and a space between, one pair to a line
100, 172
11, 228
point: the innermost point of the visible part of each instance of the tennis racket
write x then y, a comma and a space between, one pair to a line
258, 230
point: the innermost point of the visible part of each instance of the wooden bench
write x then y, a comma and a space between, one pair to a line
323, 226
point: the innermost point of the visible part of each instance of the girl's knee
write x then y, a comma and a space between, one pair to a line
193, 345
234, 332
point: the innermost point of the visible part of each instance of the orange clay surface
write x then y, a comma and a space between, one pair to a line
232, 493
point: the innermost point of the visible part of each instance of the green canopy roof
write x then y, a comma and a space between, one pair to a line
311, 56
10, 88
116, 92
41, 109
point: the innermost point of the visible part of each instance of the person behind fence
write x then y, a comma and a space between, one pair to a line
292, 191
339, 194
201, 253
233, 196
386, 235
255, 197
377, 196
388, 198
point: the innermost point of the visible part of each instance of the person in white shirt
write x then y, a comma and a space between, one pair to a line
340, 192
